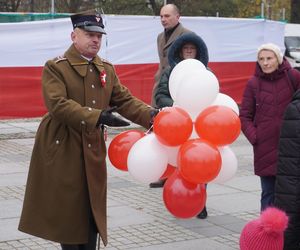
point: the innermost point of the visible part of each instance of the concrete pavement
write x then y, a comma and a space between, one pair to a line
137, 217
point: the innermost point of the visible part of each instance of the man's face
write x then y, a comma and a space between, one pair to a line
86, 42
169, 17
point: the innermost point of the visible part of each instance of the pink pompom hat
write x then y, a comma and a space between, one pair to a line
266, 232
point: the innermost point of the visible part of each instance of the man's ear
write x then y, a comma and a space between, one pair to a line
73, 36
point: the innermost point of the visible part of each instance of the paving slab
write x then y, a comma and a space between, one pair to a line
203, 244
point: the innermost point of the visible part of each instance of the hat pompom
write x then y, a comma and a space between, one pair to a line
274, 220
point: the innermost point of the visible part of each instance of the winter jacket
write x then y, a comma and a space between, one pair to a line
287, 186
162, 93
67, 174
162, 48
265, 99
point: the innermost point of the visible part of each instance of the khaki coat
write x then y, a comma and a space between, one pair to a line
162, 49
67, 177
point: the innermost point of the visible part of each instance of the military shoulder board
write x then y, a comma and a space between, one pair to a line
105, 61
59, 59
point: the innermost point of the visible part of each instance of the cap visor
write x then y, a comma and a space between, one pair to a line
93, 29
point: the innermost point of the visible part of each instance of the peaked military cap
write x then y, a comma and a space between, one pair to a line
89, 20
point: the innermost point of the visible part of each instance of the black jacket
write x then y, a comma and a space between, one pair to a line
287, 187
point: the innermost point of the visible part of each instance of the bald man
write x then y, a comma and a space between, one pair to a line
169, 16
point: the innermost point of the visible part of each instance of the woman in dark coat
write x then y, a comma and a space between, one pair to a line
265, 99
162, 94
186, 46
287, 186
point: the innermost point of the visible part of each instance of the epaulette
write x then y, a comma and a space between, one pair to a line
59, 59
105, 61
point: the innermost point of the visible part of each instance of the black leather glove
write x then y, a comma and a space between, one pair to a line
153, 113
107, 118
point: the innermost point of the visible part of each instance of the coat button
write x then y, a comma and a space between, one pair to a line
93, 101
57, 141
82, 122
90, 109
89, 145
93, 86
91, 70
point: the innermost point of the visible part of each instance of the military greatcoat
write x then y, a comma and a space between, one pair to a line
67, 177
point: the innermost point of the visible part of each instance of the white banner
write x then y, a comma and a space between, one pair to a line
132, 39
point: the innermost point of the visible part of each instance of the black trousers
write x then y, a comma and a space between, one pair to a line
91, 244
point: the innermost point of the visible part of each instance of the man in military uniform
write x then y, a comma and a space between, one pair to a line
65, 198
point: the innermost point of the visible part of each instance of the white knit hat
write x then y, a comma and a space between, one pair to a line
272, 47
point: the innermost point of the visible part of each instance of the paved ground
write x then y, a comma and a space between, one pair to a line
137, 217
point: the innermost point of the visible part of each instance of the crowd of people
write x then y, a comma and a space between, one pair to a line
65, 198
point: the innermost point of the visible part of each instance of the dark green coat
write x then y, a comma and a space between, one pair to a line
67, 174
162, 94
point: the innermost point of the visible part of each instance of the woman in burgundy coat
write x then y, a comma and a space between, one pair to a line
266, 96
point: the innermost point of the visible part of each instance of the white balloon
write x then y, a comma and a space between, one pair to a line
147, 159
197, 92
180, 71
172, 153
228, 167
227, 101
193, 115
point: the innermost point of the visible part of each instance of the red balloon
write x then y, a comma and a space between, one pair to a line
172, 126
219, 125
199, 161
182, 198
169, 171
120, 146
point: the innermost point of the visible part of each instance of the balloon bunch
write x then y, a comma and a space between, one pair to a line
190, 141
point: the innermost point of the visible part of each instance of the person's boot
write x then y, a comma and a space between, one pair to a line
202, 214
158, 184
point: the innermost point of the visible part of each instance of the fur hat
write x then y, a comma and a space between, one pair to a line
266, 232
174, 51
272, 47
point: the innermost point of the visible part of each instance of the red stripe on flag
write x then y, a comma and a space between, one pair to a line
21, 94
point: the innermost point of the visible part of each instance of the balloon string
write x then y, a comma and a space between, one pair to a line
149, 130
152, 122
